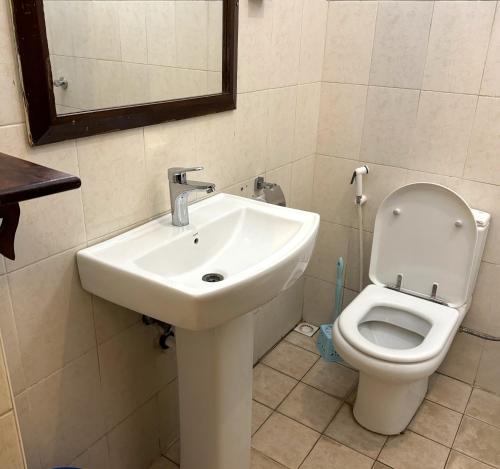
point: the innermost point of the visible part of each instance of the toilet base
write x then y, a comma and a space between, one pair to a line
387, 407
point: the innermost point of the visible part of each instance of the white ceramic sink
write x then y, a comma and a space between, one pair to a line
157, 268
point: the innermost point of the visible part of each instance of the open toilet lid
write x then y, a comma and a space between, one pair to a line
427, 234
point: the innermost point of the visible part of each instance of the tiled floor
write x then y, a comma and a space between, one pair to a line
302, 418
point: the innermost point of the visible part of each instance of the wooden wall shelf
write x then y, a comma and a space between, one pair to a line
23, 180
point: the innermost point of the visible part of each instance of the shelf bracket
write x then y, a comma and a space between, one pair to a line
9, 213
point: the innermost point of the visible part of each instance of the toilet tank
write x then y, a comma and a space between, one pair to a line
428, 242
483, 225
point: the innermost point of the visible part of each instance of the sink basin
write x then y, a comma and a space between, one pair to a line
205, 278
158, 269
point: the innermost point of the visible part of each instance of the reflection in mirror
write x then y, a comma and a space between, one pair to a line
111, 53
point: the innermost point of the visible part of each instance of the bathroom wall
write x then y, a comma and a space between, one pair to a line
412, 89
118, 53
91, 386
11, 452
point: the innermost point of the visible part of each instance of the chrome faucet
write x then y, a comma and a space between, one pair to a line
180, 188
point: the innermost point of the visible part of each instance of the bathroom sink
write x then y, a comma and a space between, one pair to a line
234, 256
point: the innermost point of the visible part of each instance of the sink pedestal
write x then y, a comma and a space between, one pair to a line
215, 395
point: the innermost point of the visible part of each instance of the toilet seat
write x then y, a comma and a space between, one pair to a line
433, 321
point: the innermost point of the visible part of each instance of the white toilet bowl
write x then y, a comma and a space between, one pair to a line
397, 333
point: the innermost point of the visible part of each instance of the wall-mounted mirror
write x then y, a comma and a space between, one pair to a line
95, 66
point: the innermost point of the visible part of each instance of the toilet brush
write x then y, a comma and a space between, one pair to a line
324, 342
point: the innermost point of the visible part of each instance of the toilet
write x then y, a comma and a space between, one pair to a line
426, 253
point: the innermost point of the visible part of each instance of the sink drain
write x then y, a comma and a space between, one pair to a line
212, 277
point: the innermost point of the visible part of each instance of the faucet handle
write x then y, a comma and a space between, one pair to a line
178, 174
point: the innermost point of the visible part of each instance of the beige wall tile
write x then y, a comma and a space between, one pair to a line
346, 430
485, 197
10, 450
270, 387
488, 375
349, 41
483, 314
114, 189
6, 34
484, 406
134, 442
341, 119
215, 32
462, 359
133, 34
444, 124
285, 43
67, 411
96, 457
28, 431
168, 405
11, 110
310, 407
332, 242
483, 163
319, 299
331, 198
10, 339
302, 183
111, 319
5, 396
284, 440
328, 453
160, 24
53, 315
352, 262
306, 120
389, 121
473, 431
282, 106
312, 44
254, 37
436, 423
457, 46
400, 44
412, 451
491, 78
126, 381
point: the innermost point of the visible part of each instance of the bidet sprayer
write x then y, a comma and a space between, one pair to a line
358, 177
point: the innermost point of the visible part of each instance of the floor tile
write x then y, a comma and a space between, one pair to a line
412, 451
449, 392
259, 461
436, 422
301, 340
284, 440
270, 387
310, 406
332, 378
260, 413
332, 455
479, 440
484, 406
346, 430
461, 461
290, 359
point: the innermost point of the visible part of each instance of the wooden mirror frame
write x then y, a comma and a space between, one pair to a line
45, 126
